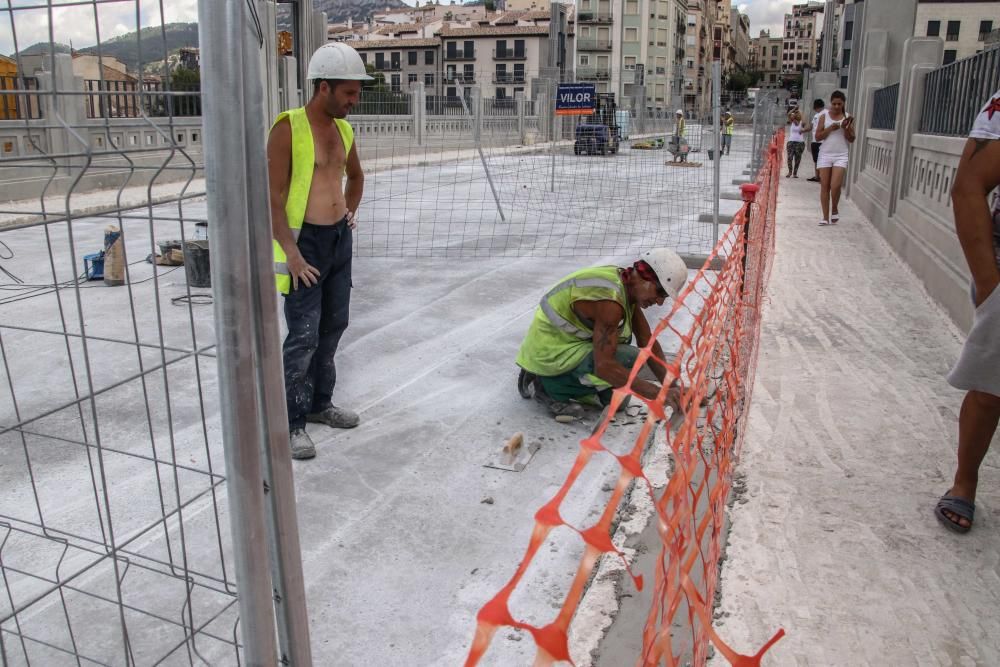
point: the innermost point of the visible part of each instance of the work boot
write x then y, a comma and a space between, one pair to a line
562, 411
302, 444
335, 417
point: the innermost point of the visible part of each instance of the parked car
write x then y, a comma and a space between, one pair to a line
593, 139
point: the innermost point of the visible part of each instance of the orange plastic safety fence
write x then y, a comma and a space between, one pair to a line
715, 362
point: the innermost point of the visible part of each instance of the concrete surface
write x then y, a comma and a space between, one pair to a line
404, 533
851, 440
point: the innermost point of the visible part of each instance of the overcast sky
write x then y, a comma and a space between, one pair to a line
76, 24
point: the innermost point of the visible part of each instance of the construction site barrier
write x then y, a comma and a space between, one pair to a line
714, 363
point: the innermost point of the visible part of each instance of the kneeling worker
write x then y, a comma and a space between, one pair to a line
578, 349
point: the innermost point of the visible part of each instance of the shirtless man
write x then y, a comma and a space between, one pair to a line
309, 152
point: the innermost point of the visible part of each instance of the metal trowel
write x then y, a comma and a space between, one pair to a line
514, 455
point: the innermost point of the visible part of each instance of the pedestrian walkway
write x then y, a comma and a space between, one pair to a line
851, 440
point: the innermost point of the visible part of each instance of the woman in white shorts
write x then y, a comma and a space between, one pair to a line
835, 128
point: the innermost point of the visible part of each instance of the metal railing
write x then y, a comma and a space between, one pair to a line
508, 77
383, 102
594, 45
884, 108
130, 99
510, 54
460, 55
18, 103
595, 17
955, 93
593, 73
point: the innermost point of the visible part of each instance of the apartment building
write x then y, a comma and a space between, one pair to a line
597, 49
404, 62
964, 26
848, 34
722, 38
648, 56
698, 54
766, 58
739, 26
502, 59
801, 38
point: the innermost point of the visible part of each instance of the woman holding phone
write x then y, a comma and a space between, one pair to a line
835, 128
796, 143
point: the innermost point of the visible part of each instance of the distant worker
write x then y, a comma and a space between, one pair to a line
578, 347
678, 142
728, 122
309, 152
976, 372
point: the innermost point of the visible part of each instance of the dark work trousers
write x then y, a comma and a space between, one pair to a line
317, 317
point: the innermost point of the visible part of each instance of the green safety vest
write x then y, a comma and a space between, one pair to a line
729, 126
559, 339
303, 164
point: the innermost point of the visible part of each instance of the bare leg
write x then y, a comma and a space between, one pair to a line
977, 422
836, 185
824, 191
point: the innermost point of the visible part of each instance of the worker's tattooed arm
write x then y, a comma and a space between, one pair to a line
658, 361
607, 315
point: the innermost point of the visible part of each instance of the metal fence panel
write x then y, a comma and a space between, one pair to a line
955, 93
884, 108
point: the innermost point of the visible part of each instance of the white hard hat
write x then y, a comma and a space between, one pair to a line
338, 61
679, 112
670, 269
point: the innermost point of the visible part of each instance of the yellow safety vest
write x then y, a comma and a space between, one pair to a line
558, 339
680, 127
303, 164
729, 125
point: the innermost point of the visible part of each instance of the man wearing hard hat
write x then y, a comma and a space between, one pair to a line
727, 122
678, 142
309, 152
578, 346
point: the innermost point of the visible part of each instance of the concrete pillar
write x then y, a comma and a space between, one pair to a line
522, 133
319, 30
418, 110
69, 108
544, 111
822, 85
873, 76
269, 58
920, 56
895, 19
287, 75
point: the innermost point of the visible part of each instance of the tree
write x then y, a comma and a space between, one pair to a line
740, 81
185, 79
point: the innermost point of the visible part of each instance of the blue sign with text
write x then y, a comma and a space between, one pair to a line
575, 99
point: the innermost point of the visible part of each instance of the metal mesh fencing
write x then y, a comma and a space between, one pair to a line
113, 543
487, 171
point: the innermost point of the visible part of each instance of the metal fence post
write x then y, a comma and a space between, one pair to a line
519, 107
477, 114
286, 559
418, 112
223, 28
717, 166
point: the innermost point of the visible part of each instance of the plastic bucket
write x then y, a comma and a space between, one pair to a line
196, 264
